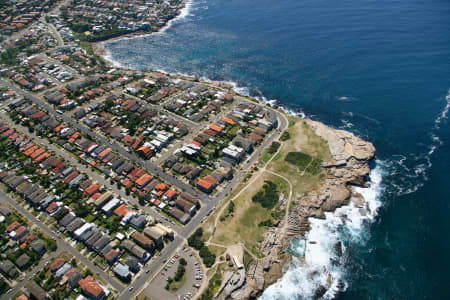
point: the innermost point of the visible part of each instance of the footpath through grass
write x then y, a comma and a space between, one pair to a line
257, 207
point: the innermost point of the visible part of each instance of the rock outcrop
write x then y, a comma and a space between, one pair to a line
348, 166
350, 153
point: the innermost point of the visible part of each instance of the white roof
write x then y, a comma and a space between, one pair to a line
111, 204
156, 143
85, 227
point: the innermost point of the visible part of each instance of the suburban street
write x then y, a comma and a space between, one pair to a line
92, 174
29, 274
146, 164
188, 229
208, 203
62, 244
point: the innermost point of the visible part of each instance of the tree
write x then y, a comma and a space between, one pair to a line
73, 262
231, 207
180, 272
268, 196
81, 211
183, 261
285, 136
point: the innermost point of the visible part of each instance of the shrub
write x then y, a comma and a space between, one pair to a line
267, 196
266, 223
285, 136
273, 147
304, 162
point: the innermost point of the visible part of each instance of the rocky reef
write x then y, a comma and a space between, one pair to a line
348, 166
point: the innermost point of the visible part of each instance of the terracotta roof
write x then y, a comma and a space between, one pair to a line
110, 255
211, 132
20, 230
22, 297
58, 262
31, 150
210, 179
59, 127
215, 128
104, 152
161, 187
96, 196
195, 143
122, 210
204, 184
41, 157
228, 121
143, 179
37, 153
13, 226
89, 285
127, 182
51, 207
144, 149
92, 189
171, 193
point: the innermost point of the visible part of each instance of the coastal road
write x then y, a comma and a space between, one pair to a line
209, 204
156, 266
61, 243
103, 141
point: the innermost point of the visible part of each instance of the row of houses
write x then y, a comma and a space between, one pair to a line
68, 276
18, 239
94, 154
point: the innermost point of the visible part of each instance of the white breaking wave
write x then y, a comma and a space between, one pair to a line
321, 273
346, 124
345, 98
184, 13
410, 173
443, 115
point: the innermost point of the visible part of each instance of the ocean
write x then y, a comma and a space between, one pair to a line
378, 68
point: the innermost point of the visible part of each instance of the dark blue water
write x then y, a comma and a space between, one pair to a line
379, 68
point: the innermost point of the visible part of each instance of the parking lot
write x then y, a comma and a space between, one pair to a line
194, 276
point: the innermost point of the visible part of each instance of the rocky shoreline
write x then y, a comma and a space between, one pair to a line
348, 167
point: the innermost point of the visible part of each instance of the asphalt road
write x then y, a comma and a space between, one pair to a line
156, 290
62, 244
209, 204
187, 230
29, 274
100, 139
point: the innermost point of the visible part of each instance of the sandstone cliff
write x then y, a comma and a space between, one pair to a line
349, 166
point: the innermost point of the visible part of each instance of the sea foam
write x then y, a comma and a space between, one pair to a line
318, 269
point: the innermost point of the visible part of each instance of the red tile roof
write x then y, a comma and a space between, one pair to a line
228, 121
12, 226
58, 262
171, 193
143, 180
161, 187
90, 286
211, 132
111, 254
92, 189
204, 184
122, 210
215, 128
